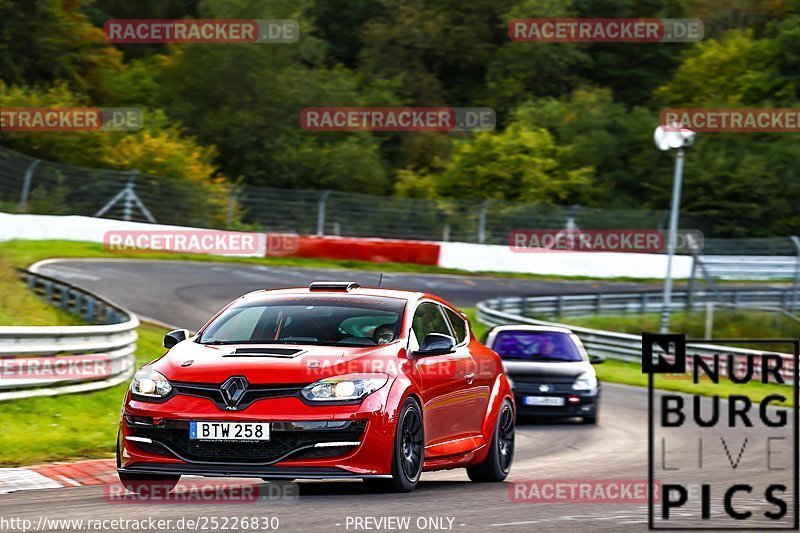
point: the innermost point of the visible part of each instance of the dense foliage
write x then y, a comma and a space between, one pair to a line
575, 121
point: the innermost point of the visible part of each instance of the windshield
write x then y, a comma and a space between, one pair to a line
322, 320
536, 346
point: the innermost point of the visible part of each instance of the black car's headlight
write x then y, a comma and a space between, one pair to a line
586, 381
350, 387
150, 384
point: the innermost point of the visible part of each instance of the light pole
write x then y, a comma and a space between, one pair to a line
666, 138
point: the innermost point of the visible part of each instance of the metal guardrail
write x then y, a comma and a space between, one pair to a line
111, 343
573, 305
745, 267
610, 344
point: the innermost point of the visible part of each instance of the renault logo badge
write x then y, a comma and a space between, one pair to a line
233, 390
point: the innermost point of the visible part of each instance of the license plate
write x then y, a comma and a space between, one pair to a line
549, 401
229, 430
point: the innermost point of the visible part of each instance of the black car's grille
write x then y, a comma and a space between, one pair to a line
286, 442
252, 394
536, 387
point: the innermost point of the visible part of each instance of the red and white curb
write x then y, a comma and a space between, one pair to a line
57, 475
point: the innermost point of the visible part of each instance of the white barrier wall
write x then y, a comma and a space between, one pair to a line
90, 229
498, 258
462, 256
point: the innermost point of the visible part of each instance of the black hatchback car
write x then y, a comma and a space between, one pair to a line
550, 372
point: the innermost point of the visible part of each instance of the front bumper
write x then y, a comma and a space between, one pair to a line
576, 403
308, 441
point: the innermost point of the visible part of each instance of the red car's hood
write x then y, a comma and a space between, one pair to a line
214, 364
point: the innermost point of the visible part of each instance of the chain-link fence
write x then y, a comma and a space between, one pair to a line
30, 185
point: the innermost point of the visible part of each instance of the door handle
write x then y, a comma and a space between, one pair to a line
470, 377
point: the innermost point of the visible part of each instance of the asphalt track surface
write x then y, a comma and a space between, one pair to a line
187, 294
616, 449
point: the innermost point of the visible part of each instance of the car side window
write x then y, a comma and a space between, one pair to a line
458, 323
428, 318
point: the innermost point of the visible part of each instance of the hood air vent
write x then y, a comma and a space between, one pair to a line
265, 352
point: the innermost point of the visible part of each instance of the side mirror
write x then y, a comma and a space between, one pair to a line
596, 359
436, 344
174, 337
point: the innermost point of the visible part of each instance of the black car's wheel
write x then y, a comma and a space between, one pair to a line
498, 461
590, 419
156, 485
409, 451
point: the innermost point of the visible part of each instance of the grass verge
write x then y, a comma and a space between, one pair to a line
21, 307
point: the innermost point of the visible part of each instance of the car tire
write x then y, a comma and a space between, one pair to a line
590, 419
498, 461
149, 484
408, 456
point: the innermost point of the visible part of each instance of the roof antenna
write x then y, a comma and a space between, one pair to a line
380, 280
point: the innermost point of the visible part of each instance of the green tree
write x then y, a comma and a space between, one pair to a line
44, 41
247, 101
522, 163
739, 70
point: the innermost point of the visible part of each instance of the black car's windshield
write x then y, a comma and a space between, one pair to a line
536, 346
324, 320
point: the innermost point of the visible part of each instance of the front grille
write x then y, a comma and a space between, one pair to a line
324, 453
252, 394
533, 387
287, 441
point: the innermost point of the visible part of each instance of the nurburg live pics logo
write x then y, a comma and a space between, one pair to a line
740, 452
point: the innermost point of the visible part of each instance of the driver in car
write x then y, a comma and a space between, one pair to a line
383, 334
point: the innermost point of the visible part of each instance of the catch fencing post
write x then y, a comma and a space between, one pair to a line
26, 186
482, 222
692, 280
570, 224
129, 200
796, 242
127, 206
323, 201
234, 193
709, 319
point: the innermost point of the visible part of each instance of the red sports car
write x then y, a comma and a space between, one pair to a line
333, 381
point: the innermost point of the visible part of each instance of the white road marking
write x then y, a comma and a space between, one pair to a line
17, 479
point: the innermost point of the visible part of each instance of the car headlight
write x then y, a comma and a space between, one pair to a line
350, 387
150, 384
586, 381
